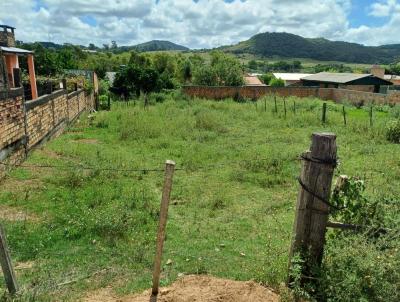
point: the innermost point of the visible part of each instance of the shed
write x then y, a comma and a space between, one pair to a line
354, 81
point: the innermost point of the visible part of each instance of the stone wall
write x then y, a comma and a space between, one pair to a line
255, 92
25, 125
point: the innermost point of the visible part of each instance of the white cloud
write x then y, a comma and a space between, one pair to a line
383, 9
206, 23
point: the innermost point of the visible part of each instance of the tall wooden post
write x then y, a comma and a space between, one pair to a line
284, 106
276, 105
344, 116
169, 173
312, 208
324, 113
6, 264
371, 123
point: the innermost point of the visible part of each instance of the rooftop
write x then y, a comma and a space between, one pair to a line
15, 50
340, 78
253, 81
291, 76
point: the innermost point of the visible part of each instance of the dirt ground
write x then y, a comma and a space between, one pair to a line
195, 288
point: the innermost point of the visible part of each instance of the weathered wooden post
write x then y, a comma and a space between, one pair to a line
312, 207
284, 106
169, 173
6, 264
276, 105
371, 123
294, 107
344, 116
324, 113
265, 104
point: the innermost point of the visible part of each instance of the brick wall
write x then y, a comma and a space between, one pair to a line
11, 117
254, 92
25, 125
251, 92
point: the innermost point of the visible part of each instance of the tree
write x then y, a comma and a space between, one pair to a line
224, 70
205, 76
277, 82
114, 45
92, 46
252, 65
266, 78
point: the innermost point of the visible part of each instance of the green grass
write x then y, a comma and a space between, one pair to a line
232, 206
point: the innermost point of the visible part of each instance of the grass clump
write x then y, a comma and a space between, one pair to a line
393, 131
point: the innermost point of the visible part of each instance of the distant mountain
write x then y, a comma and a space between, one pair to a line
292, 46
155, 45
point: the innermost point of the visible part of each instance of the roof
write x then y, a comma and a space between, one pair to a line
253, 81
291, 76
15, 50
340, 78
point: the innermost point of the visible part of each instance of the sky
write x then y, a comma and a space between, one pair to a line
200, 23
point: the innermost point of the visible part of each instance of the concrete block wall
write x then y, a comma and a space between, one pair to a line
25, 125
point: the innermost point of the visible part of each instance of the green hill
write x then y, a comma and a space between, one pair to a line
293, 46
157, 45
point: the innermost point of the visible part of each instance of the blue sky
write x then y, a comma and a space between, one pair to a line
200, 23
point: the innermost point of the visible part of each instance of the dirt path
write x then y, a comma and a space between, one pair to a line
196, 288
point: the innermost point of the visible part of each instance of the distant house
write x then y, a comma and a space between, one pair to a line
353, 81
251, 80
291, 78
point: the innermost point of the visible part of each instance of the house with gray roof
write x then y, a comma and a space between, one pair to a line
353, 81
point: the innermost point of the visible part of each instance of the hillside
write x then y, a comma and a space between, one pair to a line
157, 45
293, 46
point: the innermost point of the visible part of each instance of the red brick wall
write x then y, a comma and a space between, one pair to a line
11, 120
254, 92
23, 126
251, 92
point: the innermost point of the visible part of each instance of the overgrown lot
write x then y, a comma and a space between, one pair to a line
90, 219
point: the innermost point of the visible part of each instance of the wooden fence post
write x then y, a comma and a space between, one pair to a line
324, 113
265, 105
6, 264
312, 208
284, 106
276, 105
169, 173
371, 123
344, 116
294, 107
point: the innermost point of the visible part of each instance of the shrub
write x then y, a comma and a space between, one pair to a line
393, 131
277, 83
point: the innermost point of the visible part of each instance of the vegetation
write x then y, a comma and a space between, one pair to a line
292, 46
232, 205
223, 70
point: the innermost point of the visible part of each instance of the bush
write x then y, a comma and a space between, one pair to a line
393, 131
277, 83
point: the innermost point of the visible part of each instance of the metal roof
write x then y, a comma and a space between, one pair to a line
340, 78
15, 50
291, 76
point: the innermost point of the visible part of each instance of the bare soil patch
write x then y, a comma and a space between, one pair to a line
90, 141
14, 214
196, 288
